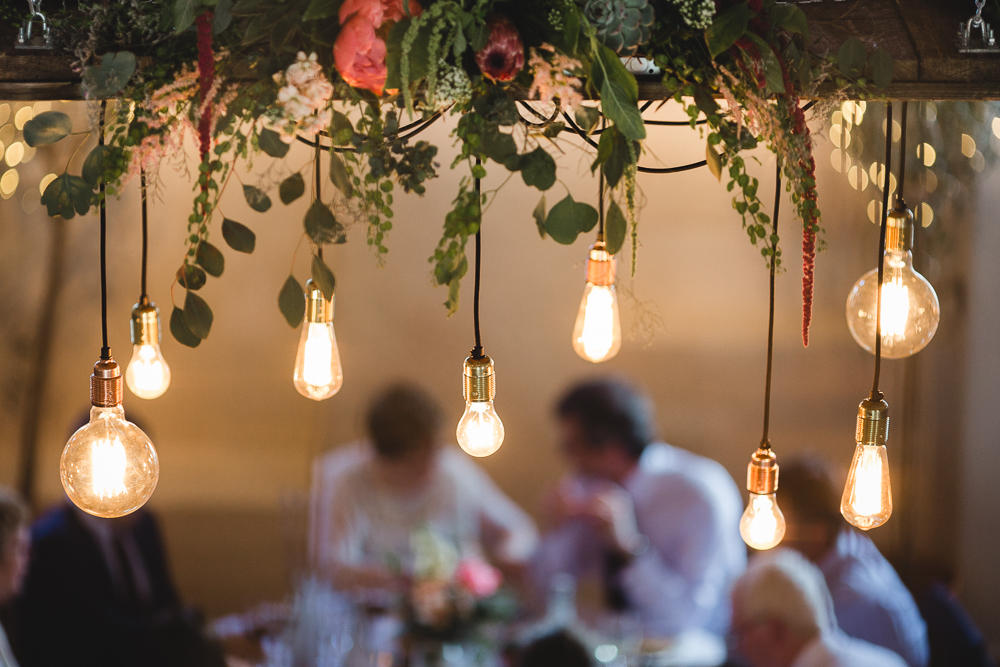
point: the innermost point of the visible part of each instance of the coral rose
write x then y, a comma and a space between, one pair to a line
371, 10
503, 56
360, 55
394, 10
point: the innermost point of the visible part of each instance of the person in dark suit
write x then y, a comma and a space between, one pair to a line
99, 594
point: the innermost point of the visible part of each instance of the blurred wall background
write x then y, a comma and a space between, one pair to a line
236, 441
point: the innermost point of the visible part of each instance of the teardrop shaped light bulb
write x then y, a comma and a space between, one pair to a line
597, 333
867, 499
318, 373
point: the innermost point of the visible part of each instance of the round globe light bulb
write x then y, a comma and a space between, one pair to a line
762, 525
109, 467
910, 308
480, 431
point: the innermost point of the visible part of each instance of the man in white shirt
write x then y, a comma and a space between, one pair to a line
657, 524
783, 617
375, 503
869, 598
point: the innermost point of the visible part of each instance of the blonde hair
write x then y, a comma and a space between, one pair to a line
782, 585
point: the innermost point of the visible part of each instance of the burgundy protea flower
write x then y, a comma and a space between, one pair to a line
503, 56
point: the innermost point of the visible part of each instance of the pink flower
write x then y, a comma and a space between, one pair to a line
395, 10
371, 10
478, 577
360, 55
503, 56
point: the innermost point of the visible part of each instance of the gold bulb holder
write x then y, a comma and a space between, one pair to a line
479, 379
106, 388
899, 228
318, 309
600, 265
873, 421
145, 323
762, 472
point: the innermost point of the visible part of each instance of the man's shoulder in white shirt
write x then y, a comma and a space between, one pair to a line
835, 649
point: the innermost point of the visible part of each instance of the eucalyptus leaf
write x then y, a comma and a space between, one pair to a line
47, 127
587, 117
539, 215
789, 18
67, 195
191, 277
256, 198
222, 16
497, 145
110, 76
568, 218
210, 258
271, 143
341, 130
93, 166
179, 328
615, 227
239, 237
292, 302
538, 169
714, 161
619, 95
773, 76
881, 65
339, 175
851, 57
728, 27
323, 276
184, 12
197, 315
291, 188
321, 226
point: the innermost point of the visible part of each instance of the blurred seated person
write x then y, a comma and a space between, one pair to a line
556, 649
14, 544
657, 525
99, 593
375, 504
869, 598
783, 617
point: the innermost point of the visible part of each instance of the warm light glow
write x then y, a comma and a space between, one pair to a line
910, 308
597, 335
762, 525
480, 431
109, 467
867, 499
148, 374
318, 374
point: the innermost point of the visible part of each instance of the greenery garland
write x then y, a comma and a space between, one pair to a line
347, 72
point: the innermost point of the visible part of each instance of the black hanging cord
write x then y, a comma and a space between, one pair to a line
105, 349
477, 351
600, 195
900, 202
881, 249
144, 296
317, 174
765, 442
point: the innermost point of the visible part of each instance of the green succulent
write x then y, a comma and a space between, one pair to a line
622, 25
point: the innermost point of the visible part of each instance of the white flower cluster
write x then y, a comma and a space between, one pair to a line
696, 13
303, 99
453, 85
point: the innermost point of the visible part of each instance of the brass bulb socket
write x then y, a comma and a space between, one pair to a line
318, 308
600, 265
145, 324
762, 472
873, 422
899, 228
106, 387
479, 379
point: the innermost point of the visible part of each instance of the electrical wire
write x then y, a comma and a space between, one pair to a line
105, 349
900, 202
477, 351
143, 296
765, 442
881, 249
317, 174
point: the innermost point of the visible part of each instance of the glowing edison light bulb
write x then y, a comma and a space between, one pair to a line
480, 431
867, 499
147, 374
318, 374
109, 467
762, 525
910, 308
597, 334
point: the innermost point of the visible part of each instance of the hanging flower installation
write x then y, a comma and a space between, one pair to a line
363, 77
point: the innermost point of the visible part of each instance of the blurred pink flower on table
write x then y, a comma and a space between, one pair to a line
360, 55
478, 577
